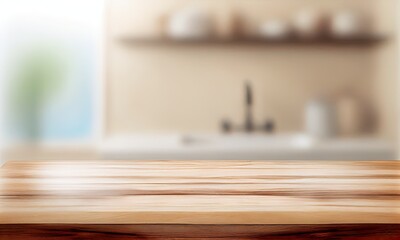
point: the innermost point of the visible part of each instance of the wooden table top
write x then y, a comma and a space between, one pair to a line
200, 192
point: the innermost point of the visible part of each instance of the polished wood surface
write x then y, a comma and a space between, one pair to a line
200, 192
193, 232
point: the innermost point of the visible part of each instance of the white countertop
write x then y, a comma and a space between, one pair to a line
244, 146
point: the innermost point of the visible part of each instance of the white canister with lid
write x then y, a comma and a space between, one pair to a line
321, 120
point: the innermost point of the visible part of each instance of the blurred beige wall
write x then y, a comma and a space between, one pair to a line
191, 88
386, 78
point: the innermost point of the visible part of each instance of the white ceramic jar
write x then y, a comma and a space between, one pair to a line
309, 23
348, 23
190, 23
275, 29
321, 119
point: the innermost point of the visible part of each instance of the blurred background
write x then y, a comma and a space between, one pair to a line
199, 79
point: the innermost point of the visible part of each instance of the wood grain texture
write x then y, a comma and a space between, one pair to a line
200, 192
237, 232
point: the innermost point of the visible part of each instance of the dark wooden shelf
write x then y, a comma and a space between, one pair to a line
358, 41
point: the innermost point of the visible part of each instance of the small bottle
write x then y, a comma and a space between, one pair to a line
349, 114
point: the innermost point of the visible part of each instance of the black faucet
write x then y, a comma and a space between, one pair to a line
248, 120
249, 125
